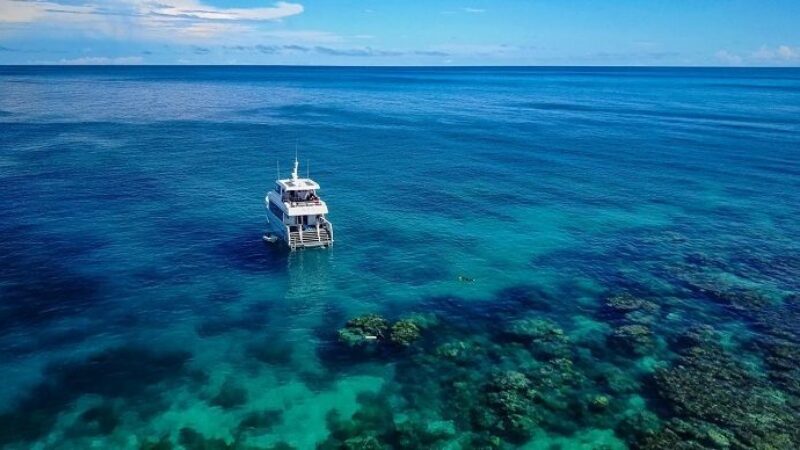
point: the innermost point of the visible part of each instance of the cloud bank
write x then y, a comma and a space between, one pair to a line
147, 18
764, 56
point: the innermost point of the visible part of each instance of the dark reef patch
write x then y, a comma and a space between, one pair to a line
626, 308
97, 420
371, 427
222, 325
715, 401
783, 265
248, 253
126, 373
739, 300
633, 340
260, 422
161, 274
252, 319
229, 396
39, 284
53, 293
163, 443
778, 342
224, 295
191, 439
50, 338
271, 351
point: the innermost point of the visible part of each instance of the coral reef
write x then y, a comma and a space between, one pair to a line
718, 289
404, 333
624, 303
778, 342
457, 351
600, 402
716, 402
628, 308
633, 339
363, 329
423, 320
372, 328
638, 426
510, 411
544, 338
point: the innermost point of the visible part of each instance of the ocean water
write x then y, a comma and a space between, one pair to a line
590, 258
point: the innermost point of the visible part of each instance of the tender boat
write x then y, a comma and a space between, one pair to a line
296, 215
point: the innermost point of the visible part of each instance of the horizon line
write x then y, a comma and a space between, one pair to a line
428, 66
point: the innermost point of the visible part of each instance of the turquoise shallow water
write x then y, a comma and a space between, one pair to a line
592, 257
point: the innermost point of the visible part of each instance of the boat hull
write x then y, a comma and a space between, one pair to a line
295, 237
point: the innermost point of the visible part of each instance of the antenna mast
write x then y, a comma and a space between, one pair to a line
296, 165
296, 162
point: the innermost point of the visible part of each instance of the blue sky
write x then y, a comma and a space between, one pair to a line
389, 32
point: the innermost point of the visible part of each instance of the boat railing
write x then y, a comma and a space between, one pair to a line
310, 235
292, 203
328, 225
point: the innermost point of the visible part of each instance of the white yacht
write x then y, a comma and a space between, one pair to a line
296, 215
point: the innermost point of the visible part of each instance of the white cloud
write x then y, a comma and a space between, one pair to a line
158, 19
780, 55
195, 10
728, 58
788, 53
19, 12
32, 10
101, 60
201, 30
485, 50
301, 36
451, 12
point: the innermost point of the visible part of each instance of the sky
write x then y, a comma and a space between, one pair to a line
393, 32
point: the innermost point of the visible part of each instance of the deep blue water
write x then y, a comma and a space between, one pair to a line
604, 258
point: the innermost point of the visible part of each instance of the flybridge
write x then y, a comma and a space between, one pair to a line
298, 184
296, 214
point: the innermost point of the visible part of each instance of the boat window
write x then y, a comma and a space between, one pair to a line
273, 208
277, 188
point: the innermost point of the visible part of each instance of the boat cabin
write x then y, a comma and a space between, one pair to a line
297, 214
